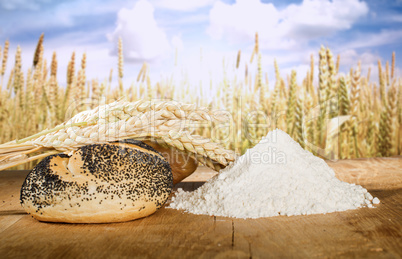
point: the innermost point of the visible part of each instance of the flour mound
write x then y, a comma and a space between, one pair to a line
276, 177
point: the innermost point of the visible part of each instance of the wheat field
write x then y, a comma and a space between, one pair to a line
342, 116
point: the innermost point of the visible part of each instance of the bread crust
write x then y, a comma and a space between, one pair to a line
182, 163
99, 183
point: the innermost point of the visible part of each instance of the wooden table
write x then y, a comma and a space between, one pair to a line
372, 233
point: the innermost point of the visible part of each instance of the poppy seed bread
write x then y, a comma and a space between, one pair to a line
98, 183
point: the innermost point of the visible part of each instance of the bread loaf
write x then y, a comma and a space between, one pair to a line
182, 163
98, 183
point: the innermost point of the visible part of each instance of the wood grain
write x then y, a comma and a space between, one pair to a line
368, 233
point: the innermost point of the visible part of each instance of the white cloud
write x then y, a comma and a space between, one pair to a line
177, 43
57, 16
143, 39
351, 58
188, 18
241, 20
396, 18
283, 29
183, 5
376, 39
22, 4
315, 18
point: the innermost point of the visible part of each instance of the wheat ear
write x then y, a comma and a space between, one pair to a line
392, 118
120, 120
203, 149
384, 138
39, 46
4, 60
291, 103
238, 59
332, 90
354, 100
322, 95
370, 136
393, 65
120, 65
344, 108
298, 128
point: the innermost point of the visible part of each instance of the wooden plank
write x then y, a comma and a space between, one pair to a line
10, 209
356, 233
372, 233
373, 173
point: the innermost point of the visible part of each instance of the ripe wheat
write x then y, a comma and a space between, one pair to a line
35, 100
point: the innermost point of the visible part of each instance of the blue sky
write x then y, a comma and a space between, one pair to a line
204, 32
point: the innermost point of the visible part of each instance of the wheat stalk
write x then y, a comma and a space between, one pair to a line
17, 71
30, 104
382, 82
393, 65
120, 65
344, 107
291, 103
38, 49
199, 147
322, 95
260, 89
338, 59
370, 136
83, 80
10, 82
21, 91
384, 138
311, 80
387, 73
0, 69
354, 104
275, 94
4, 60
332, 86
120, 120
53, 87
298, 127
257, 48
29, 92
238, 59
70, 78
392, 118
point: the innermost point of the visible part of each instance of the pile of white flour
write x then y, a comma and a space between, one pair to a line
276, 177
